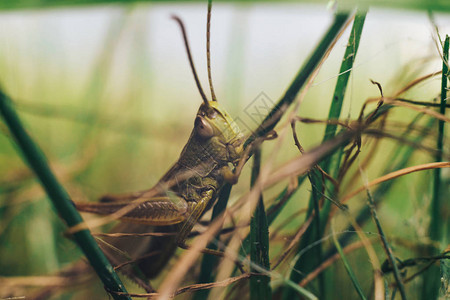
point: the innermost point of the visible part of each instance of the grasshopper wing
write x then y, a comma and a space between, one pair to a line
140, 257
156, 211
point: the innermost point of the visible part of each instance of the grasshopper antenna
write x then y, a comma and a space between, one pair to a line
208, 54
191, 61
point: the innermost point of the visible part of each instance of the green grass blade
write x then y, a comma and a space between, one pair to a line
348, 268
438, 220
317, 190
259, 242
445, 275
310, 260
436, 227
272, 213
342, 81
33, 155
271, 120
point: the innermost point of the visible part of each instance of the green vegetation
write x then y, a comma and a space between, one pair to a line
344, 197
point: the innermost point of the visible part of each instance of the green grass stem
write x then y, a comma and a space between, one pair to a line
344, 75
438, 220
259, 242
310, 261
36, 160
348, 268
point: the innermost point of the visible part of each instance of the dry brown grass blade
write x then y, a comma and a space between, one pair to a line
119, 235
36, 281
204, 286
197, 287
415, 82
303, 163
402, 140
369, 157
396, 174
427, 111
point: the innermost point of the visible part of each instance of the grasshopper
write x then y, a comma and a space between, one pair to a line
181, 196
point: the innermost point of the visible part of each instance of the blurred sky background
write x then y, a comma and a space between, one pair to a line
255, 48
126, 65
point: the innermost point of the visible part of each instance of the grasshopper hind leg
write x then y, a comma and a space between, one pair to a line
124, 252
140, 258
163, 248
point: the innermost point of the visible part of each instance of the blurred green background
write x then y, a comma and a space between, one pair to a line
107, 92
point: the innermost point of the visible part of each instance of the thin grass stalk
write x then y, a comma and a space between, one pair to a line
259, 242
307, 264
438, 219
348, 268
36, 160
386, 246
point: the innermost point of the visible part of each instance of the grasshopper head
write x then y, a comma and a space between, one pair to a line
216, 128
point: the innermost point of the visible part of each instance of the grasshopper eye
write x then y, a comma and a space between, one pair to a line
212, 114
203, 128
